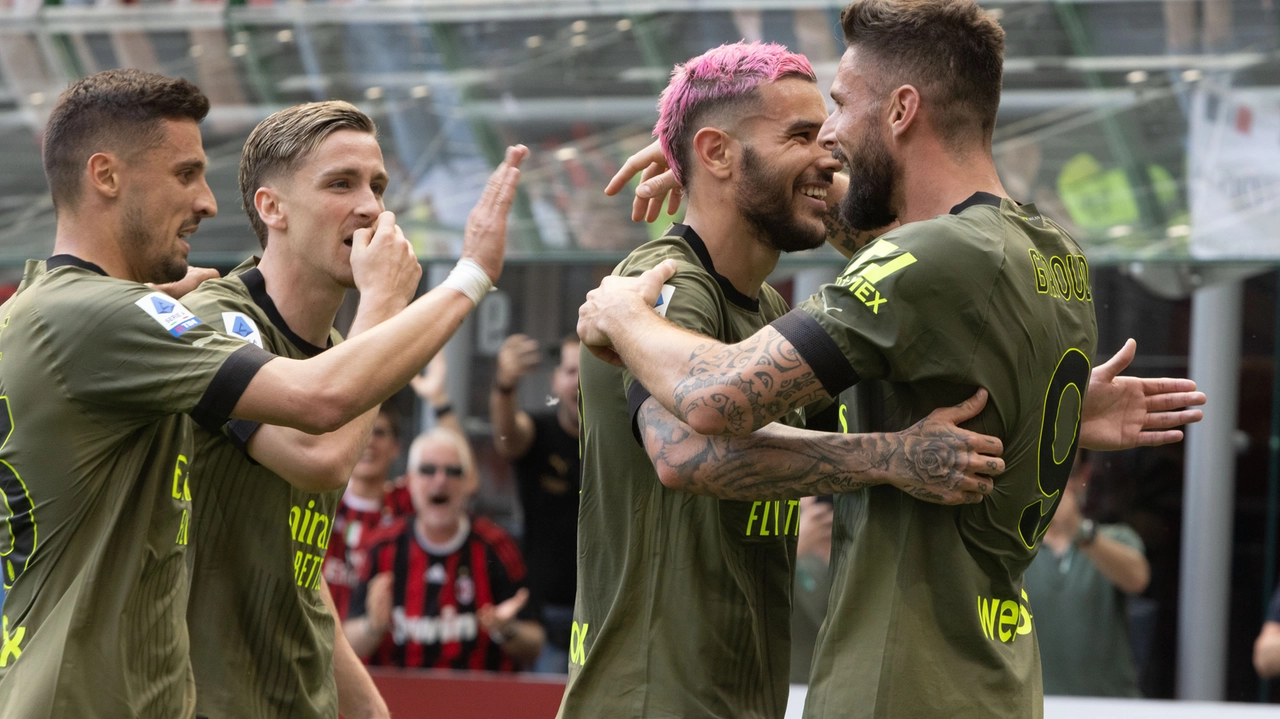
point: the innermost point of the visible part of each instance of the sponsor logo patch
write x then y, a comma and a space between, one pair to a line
664, 300
242, 326
170, 313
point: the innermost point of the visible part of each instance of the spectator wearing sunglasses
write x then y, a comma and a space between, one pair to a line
442, 589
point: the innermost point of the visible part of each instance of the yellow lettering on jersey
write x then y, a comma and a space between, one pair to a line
1004, 619
184, 528
12, 645
844, 422
578, 643
765, 509
181, 479
792, 506
862, 275
1066, 277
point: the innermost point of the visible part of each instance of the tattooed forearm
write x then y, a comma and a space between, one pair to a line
930, 463
737, 389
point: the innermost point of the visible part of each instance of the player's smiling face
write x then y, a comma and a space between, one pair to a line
164, 196
440, 486
337, 190
784, 173
857, 133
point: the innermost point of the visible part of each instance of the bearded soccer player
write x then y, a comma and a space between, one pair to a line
684, 602
927, 615
102, 375
262, 624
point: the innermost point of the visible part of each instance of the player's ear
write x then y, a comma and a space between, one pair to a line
270, 208
715, 151
903, 109
104, 174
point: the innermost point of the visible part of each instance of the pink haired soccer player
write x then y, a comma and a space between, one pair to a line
684, 599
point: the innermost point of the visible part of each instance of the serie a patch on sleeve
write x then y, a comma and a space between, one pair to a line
664, 300
170, 313
238, 324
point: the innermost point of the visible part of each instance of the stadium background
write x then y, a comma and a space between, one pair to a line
1150, 129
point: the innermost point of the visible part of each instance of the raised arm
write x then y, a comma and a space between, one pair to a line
325, 392
933, 460
712, 387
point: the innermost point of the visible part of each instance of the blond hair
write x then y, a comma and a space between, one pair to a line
283, 141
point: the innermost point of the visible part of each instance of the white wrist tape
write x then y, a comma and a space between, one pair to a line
470, 279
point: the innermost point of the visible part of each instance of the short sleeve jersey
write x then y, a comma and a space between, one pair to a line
261, 634
353, 523
99, 380
1082, 620
436, 592
548, 477
684, 601
928, 616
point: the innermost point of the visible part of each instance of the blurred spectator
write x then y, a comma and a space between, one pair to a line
431, 387
812, 584
1078, 585
1266, 649
544, 448
372, 500
443, 590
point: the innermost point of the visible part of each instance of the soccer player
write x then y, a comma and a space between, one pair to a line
927, 614
261, 620
101, 377
684, 601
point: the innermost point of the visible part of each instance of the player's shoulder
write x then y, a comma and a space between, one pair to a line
222, 292
668, 247
772, 304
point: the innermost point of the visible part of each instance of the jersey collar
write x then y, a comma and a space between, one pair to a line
257, 286
57, 261
699, 248
977, 198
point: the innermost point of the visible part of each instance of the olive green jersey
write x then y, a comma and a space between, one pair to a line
97, 377
928, 616
684, 602
261, 635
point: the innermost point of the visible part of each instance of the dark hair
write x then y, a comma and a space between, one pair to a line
283, 141
952, 51
394, 420
112, 111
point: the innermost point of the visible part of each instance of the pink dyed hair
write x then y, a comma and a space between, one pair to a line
727, 74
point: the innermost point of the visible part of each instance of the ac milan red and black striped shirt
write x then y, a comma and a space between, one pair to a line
435, 597
352, 527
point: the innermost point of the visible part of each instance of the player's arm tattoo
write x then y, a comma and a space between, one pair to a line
842, 236
737, 389
929, 461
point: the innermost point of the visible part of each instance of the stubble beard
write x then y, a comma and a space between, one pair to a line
873, 176
771, 210
161, 261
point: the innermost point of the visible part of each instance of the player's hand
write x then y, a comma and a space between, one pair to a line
517, 357
613, 301
485, 239
815, 529
192, 280
1125, 412
941, 463
501, 617
378, 602
656, 183
430, 385
383, 264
